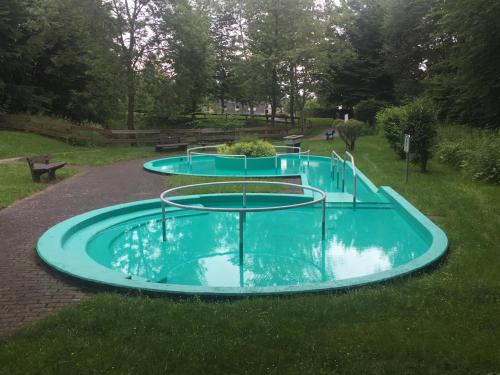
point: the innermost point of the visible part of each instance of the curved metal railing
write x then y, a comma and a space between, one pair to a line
164, 197
191, 153
220, 155
353, 167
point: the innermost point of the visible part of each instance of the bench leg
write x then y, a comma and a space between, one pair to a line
52, 175
35, 176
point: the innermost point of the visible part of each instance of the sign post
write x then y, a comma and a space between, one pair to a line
406, 148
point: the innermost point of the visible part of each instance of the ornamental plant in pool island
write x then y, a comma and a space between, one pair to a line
254, 148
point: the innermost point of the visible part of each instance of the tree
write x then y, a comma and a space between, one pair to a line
248, 81
357, 42
134, 20
13, 36
300, 40
63, 62
407, 33
190, 53
266, 22
224, 30
465, 74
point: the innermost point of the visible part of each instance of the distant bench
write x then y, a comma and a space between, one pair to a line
171, 143
40, 164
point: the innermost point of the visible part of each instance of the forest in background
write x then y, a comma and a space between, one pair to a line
102, 61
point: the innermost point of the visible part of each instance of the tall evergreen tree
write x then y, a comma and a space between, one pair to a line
362, 74
465, 74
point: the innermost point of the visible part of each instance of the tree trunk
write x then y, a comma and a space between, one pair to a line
131, 104
222, 104
274, 95
292, 95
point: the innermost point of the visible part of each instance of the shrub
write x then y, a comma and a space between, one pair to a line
421, 125
417, 118
366, 111
484, 162
453, 153
391, 120
250, 148
350, 131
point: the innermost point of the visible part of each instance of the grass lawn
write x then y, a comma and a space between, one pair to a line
444, 321
15, 178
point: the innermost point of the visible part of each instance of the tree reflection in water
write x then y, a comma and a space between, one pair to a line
280, 247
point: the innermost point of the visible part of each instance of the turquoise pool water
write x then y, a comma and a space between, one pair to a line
382, 237
314, 171
202, 248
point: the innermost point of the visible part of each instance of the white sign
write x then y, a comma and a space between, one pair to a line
406, 146
346, 117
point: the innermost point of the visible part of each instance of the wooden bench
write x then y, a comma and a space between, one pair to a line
40, 164
210, 139
171, 143
293, 140
171, 146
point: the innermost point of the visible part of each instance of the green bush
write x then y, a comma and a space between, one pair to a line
417, 118
251, 148
476, 152
366, 111
453, 153
484, 163
391, 120
350, 131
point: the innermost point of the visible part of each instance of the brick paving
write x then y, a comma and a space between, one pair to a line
29, 290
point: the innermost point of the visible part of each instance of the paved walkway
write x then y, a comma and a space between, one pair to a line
28, 289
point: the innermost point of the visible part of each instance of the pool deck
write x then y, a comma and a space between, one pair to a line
30, 290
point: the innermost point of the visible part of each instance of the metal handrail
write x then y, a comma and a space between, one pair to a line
334, 166
190, 154
220, 155
243, 210
190, 150
353, 167
288, 147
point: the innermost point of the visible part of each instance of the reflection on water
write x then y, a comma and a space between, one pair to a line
280, 248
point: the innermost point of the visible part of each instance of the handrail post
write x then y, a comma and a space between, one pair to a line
241, 237
244, 200
163, 222
343, 176
323, 219
354, 177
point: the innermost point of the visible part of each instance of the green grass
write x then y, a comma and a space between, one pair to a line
16, 182
20, 144
15, 178
445, 321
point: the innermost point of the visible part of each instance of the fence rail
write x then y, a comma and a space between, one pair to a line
72, 133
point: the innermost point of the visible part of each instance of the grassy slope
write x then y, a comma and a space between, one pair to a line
446, 321
15, 178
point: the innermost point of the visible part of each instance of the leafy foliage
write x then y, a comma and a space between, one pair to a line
366, 111
350, 131
478, 157
465, 74
250, 148
417, 119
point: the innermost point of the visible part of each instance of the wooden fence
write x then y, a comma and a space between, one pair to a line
75, 134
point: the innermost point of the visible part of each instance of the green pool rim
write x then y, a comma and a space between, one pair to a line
80, 265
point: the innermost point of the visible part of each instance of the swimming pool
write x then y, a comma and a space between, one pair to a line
283, 242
